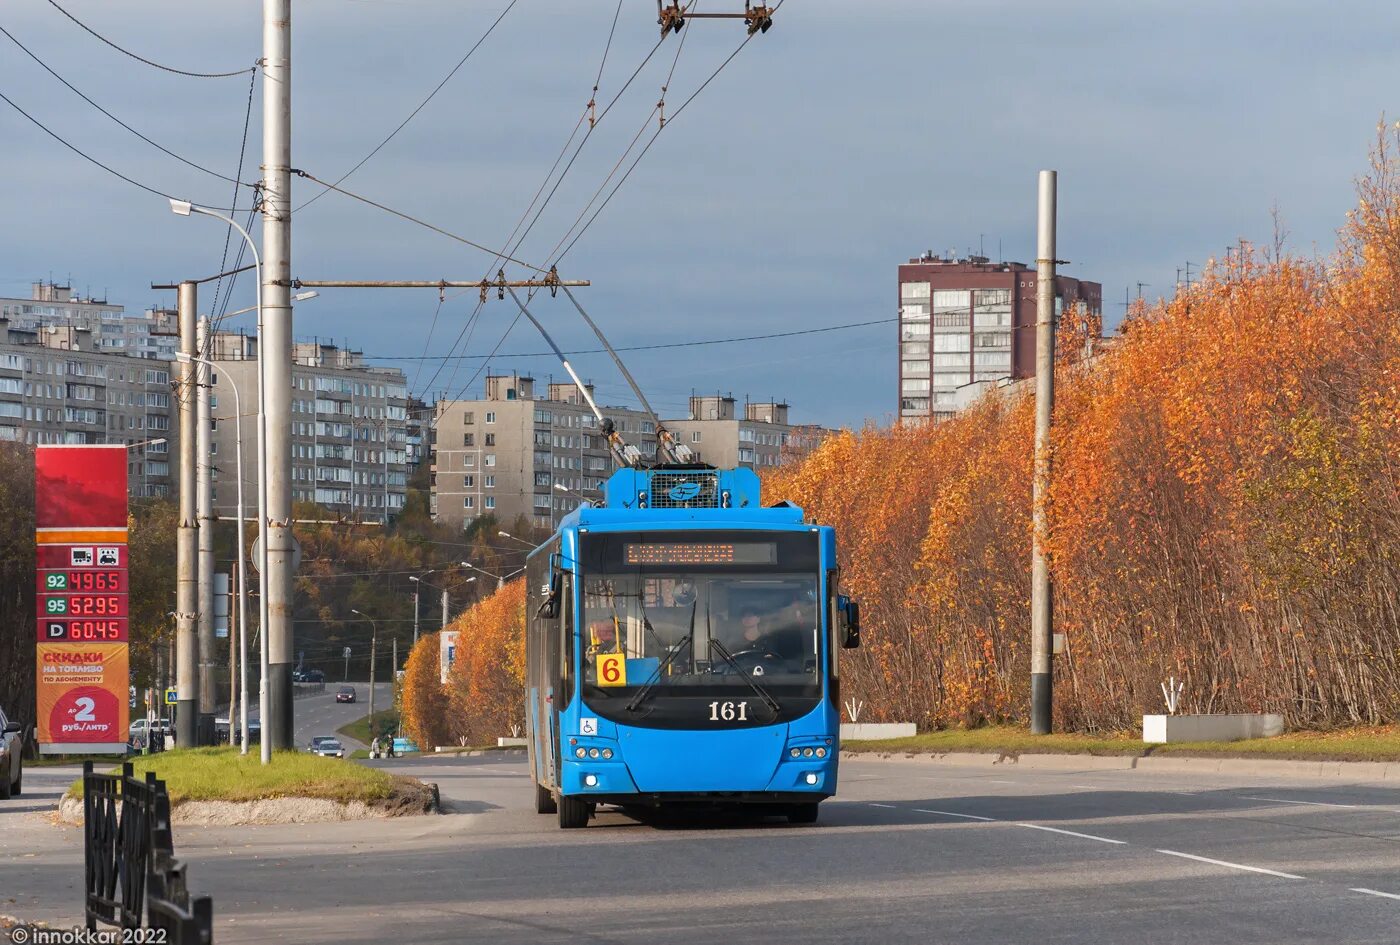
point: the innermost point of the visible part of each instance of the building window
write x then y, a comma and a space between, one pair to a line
469, 502
490, 416
490, 439
490, 482
468, 482
695, 436
490, 459
490, 502
468, 439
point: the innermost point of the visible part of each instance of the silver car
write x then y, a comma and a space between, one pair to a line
327, 746
11, 762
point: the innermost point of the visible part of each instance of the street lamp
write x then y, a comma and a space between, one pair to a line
184, 208
299, 297
418, 579
527, 544
500, 578
373, 640
242, 564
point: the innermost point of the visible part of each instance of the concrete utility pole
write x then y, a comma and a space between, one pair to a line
275, 362
204, 512
1042, 598
444, 608
187, 547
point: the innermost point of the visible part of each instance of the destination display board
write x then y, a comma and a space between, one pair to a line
700, 553
81, 598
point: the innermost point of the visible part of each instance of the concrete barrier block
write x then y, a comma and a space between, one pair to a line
870, 731
1164, 729
511, 743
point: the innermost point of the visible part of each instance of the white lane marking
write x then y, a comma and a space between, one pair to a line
1085, 787
890, 806
994, 781
1281, 800
1228, 865
1071, 833
1376, 892
948, 813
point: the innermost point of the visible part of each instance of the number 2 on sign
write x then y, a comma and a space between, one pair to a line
612, 669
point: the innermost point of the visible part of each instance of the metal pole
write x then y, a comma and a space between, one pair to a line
373, 643
242, 571
415, 613
1042, 598
232, 670
275, 361
204, 510
187, 545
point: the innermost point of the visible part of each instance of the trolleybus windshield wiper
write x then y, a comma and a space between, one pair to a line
761, 692
665, 664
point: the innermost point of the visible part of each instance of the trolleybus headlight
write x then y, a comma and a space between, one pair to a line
796, 752
607, 752
591, 780
811, 779
821, 752
580, 752
807, 753
593, 753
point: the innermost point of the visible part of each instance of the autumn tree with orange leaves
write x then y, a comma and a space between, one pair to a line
1226, 508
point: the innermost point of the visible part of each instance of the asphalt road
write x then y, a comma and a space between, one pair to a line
909, 852
320, 714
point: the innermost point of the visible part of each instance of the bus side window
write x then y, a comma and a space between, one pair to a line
565, 634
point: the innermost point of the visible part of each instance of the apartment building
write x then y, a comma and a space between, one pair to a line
511, 454
152, 334
57, 386
759, 437
349, 428
969, 321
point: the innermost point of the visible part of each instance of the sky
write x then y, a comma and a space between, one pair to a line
851, 136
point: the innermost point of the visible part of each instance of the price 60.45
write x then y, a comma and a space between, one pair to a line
94, 629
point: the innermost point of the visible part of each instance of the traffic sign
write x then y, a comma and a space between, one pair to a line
256, 553
170, 696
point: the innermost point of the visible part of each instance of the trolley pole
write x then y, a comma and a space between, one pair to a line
187, 545
1042, 597
275, 362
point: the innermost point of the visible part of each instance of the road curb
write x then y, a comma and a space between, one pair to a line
1355, 770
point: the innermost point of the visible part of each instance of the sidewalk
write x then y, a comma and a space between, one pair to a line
1354, 770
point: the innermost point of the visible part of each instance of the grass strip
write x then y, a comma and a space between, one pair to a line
1371, 743
222, 774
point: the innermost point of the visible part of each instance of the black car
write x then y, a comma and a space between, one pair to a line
345, 694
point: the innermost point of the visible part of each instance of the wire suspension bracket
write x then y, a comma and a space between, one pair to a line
672, 18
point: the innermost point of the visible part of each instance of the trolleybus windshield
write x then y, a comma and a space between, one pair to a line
680, 627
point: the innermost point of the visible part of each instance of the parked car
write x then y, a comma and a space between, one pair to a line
327, 746
345, 694
11, 757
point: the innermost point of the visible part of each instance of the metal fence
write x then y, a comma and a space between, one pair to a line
132, 879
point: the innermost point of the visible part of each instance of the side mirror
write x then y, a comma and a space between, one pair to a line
848, 614
549, 607
14, 728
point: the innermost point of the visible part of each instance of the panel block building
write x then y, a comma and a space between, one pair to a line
967, 321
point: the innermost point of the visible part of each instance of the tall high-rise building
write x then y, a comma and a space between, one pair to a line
349, 429
969, 321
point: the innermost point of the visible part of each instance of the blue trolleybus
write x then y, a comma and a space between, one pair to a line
681, 649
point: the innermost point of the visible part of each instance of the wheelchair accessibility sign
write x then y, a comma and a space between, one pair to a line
587, 726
